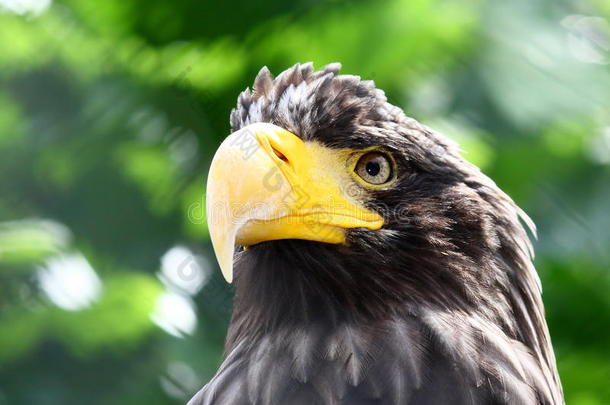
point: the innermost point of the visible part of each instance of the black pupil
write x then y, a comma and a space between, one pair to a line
373, 168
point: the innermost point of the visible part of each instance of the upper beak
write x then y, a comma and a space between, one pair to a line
266, 184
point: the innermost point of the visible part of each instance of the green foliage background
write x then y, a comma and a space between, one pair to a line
111, 111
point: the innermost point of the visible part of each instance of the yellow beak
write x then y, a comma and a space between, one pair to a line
266, 184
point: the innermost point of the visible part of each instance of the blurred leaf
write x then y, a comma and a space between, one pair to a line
29, 241
20, 331
151, 169
118, 321
585, 376
194, 214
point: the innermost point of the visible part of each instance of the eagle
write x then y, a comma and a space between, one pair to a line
371, 263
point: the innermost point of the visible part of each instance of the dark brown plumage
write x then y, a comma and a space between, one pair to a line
440, 306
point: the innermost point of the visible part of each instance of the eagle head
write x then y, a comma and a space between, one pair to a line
366, 250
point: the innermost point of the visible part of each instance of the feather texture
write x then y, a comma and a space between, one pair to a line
410, 360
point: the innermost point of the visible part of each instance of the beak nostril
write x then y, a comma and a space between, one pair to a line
280, 155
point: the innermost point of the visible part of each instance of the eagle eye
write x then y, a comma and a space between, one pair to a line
374, 168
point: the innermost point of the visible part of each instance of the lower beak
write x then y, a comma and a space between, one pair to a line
266, 184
